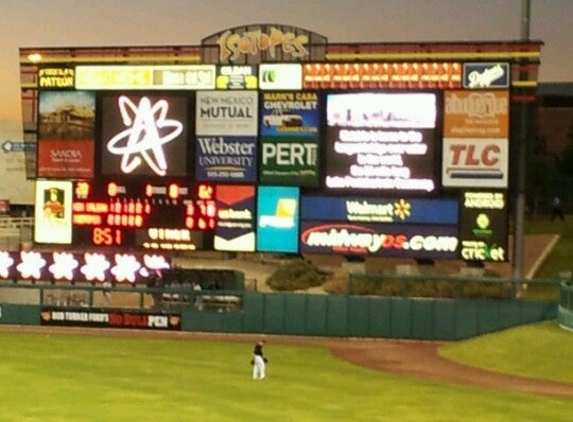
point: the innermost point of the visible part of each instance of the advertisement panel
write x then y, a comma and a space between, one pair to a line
290, 114
484, 227
285, 76
476, 162
92, 267
486, 75
381, 141
144, 134
53, 212
56, 78
227, 113
236, 218
384, 75
237, 77
277, 219
382, 240
145, 77
66, 134
379, 210
290, 161
113, 318
226, 158
476, 114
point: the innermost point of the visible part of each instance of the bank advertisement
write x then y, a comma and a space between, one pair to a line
66, 127
226, 158
277, 219
381, 141
236, 210
380, 240
379, 210
484, 226
226, 113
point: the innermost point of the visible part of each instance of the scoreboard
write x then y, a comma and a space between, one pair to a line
141, 214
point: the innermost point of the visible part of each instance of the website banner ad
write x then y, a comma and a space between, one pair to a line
277, 219
226, 158
289, 161
70, 317
144, 134
399, 241
66, 130
381, 141
475, 162
53, 212
380, 210
237, 77
289, 114
484, 226
236, 218
486, 75
226, 113
476, 114
79, 267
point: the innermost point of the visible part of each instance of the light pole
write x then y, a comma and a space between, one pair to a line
518, 244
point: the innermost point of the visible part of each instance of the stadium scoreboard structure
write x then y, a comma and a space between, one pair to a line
268, 138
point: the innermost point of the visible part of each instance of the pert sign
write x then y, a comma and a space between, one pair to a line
475, 162
486, 75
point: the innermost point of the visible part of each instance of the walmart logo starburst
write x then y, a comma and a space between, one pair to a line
402, 209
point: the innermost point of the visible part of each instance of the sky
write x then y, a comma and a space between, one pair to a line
71, 23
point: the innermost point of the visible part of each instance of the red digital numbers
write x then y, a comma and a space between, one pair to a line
107, 236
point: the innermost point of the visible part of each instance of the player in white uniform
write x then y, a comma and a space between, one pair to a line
259, 361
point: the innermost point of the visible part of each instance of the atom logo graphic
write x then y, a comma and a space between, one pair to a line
148, 129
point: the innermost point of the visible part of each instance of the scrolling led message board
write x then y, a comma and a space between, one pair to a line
381, 141
166, 216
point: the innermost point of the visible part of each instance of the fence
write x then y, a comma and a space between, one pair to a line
244, 311
565, 311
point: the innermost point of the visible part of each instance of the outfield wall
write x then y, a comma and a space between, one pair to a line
304, 314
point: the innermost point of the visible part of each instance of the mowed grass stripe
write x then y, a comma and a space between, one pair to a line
62, 377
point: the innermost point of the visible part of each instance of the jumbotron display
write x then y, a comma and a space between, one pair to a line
272, 148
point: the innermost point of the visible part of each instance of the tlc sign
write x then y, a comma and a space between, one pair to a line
475, 162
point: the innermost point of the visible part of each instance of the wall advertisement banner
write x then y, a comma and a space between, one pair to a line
277, 219
226, 158
235, 218
293, 114
401, 241
475, 162
226, 113
476, 114
53, 212
379, 210
290, 161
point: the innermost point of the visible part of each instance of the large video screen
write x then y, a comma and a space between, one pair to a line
144, 134
381, 141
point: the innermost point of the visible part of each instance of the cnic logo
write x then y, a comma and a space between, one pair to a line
269, 76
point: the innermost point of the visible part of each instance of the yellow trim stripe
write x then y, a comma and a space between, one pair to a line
435, 56
114, 59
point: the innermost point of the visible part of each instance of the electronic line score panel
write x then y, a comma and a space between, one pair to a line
170, 216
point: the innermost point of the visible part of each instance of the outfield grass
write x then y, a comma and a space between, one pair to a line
58, 377
540, 350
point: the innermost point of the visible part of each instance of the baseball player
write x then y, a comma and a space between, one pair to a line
259, 361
